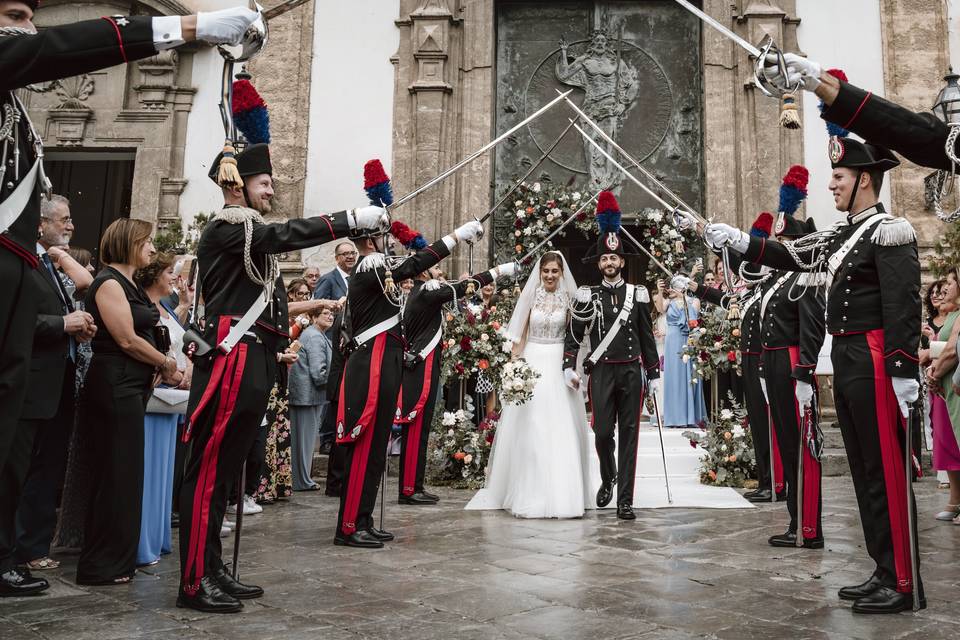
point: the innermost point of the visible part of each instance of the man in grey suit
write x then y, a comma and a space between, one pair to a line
333, 284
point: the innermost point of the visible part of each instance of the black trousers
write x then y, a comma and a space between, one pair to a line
37, 513
252, 464
13, 474
787, 423
368, 399
616, 397
759, 420
113, 405
418, 399
228, 400
18, 319
873, 436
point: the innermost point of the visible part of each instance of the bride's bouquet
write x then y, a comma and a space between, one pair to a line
517, 380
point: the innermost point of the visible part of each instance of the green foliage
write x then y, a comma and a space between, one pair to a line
172, 238
728, 447
947, 252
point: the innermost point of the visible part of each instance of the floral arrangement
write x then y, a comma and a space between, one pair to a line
538, 210
460, 450
713, 345
172, 238
517, 381
476, 343
728, 459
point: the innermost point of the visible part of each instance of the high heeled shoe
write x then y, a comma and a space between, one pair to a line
951, 512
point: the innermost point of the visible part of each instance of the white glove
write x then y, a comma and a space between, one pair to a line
226, 26
907, 391
679, 283
505, 270
804, 393
571, 378
469, 233
719, 235
686, 220
653, 387
799, 69
368, 218
763, 387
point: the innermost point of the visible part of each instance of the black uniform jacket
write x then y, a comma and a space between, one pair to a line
918, 137
227, 291
877, 286
58, 52
789, 322
634, 342
368, 306
51, 349
423, 313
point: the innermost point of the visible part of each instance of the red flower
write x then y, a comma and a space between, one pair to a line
484, 315
465, 343
581, 216
459, 368
653, 231
693, 444
471, 319
704, 355
732, 356
490, 435
518, 224
693, 324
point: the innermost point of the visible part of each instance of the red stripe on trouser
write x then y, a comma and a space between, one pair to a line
811, 467
593, 409
203, 493
412, 442
361, 451
777, 462
894, 473
219, 364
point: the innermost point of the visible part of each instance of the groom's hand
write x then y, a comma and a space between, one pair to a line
653, 386
571, 378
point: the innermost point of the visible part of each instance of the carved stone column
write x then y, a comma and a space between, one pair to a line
916, 57
745, 152
442, 111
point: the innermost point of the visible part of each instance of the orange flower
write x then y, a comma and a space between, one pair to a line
732, 459
483, 363
518, 248
495, 325
529, 209
449, 317
459, 455
727, 435
712, 474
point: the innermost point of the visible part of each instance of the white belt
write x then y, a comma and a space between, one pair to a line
377, 329
240, 329
16, 202
432, 344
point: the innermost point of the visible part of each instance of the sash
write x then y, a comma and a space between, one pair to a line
769, 294
16, 202
377, 329
434, 341
240, 329
615, 329
835, 261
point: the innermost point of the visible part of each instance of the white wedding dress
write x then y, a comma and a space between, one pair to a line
540, 465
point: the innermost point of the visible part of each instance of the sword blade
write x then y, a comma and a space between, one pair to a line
730, 35
479, 152
281, 9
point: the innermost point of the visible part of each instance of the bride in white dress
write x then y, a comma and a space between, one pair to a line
541, 458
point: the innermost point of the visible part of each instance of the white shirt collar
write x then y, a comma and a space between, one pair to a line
40, 249
343, 274
612, 285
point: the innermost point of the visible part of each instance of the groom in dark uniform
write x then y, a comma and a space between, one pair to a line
623, 363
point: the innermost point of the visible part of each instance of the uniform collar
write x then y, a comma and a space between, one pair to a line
857, 218
612, 285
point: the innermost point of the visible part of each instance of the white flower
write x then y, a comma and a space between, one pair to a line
467, 459
656, 216
549, 217
723, 447
673, 233
555, 211
738, 431
576, 195
484, 337
518, 203
448, 421
686, 358
527, 231
536, 187
716, 345
521, 214
726, 414
517, 233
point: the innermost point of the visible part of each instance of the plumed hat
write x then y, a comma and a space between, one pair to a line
793, 191
608, 223
252, 161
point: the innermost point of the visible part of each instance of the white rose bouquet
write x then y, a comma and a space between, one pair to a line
518, 380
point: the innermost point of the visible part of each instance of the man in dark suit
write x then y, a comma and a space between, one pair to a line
333, 284
39, 450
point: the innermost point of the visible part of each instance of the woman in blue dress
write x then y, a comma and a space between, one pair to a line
682, 398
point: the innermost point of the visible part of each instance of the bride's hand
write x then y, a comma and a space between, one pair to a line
571, 378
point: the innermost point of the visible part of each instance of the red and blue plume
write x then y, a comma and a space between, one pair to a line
762, 226
406, 236
793, 191
377, 184
250, 113
608, 213
835, 129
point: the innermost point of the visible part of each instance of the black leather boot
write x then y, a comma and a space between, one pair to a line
861, 590
625, 512
416, 498
359, 539
789, 539
18, 582
886, 600
235, 588
379, 534
209, 598
432, 496
605, 494
761, 495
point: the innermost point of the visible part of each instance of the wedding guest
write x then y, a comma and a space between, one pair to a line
682, 389
311, 275
125, 363
298, 291
935, 314
308, 381
946, 454
160, 423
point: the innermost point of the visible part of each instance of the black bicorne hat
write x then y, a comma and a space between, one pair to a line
853, 154
252, 161
608, 222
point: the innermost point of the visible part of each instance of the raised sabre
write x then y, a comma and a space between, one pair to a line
766, 48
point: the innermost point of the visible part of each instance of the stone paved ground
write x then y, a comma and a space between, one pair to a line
455, 574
